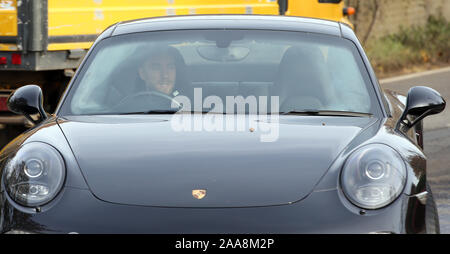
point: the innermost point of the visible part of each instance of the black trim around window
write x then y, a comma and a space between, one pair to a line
330, 1
8, 39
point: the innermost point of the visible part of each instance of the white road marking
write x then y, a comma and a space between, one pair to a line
415, 75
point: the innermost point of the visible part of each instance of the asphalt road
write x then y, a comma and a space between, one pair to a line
436, 137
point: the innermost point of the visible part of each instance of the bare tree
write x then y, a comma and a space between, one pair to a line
374, 9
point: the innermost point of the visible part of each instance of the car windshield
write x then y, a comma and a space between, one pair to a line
221, 71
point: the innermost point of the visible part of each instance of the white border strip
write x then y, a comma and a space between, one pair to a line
415, 75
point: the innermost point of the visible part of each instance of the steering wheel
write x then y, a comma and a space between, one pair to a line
145, 100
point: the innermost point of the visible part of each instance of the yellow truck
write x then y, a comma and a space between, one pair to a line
324, 9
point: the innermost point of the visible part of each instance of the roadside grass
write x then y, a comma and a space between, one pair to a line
428, 45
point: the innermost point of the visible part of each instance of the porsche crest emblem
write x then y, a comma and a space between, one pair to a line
198, 194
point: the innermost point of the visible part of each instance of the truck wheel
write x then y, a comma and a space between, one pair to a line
431, 214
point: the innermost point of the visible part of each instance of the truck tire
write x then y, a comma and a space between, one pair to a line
431, 214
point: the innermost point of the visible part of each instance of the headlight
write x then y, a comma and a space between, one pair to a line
35, 174
373, 176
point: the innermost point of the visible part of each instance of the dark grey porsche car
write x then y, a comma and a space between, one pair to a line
221, 124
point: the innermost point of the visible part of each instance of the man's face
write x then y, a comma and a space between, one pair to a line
159, 73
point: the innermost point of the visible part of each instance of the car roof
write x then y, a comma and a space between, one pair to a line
228, 21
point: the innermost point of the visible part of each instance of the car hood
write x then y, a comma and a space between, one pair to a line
142, 160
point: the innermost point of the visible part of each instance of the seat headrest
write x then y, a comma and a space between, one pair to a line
302, 71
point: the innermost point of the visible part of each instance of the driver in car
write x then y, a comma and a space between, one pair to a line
160, 71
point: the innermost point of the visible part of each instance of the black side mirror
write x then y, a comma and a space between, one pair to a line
422, 101
27, 101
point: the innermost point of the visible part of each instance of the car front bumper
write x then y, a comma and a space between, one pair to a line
78, 211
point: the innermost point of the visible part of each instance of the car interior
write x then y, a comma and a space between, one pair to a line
301, 75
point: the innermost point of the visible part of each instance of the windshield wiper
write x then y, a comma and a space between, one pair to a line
168, 112
152, 112
292, 112
326, 113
